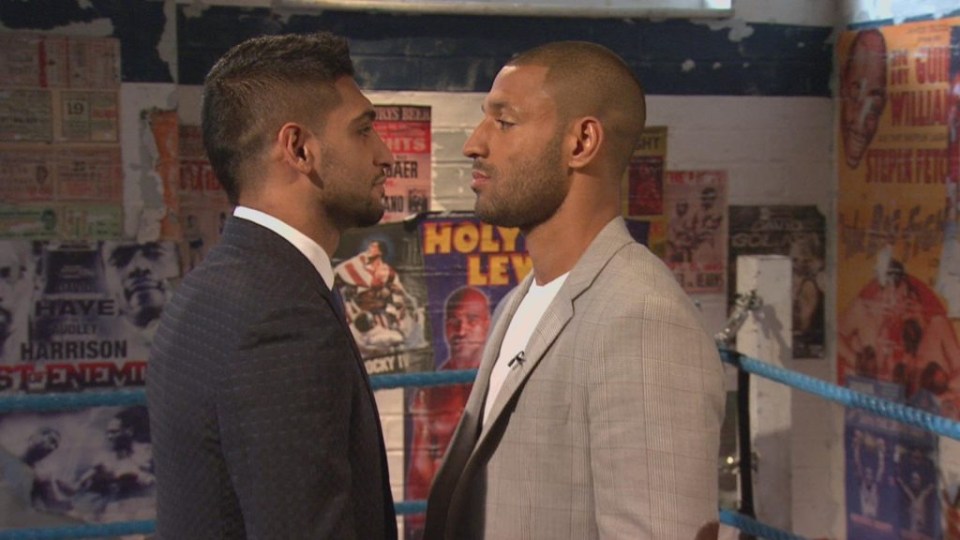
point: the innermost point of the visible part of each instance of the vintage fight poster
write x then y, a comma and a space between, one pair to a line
891, 474
379, 274
203, 205
80, 315
59, 120
800, 233
470, 267
406, 131
160, 133
75, 192
643, 180
696, 251
78, 307
897, 267
61, 468
642, 191
75, 317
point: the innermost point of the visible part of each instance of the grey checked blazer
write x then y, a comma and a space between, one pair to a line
610, 427
263, 421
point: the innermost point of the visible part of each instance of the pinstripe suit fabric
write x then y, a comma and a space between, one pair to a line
264, 425
609, 429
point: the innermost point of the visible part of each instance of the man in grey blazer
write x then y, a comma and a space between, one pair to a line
597, 409
263, 420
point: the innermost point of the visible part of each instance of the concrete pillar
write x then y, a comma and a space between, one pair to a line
766, 335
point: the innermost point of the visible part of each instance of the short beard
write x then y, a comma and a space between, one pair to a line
352, 214
348, 209
533, 194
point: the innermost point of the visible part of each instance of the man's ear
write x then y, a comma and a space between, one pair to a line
587, 133
292, 141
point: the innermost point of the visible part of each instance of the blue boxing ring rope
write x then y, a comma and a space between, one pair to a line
844, 396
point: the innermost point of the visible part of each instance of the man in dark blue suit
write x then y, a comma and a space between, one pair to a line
264, 423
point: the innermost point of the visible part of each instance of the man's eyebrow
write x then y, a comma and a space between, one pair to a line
495, 107
368, 115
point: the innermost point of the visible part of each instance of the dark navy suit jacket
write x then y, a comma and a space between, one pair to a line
262, 417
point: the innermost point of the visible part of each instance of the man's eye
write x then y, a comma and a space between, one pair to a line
503, 124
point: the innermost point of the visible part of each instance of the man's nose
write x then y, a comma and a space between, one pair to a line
476, 145
383, 157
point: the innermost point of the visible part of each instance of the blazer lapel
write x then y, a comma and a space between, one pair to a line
452, 480
264, 242
490, 354
469, 449
610, 240
554, 319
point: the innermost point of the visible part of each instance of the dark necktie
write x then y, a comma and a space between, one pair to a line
338, 303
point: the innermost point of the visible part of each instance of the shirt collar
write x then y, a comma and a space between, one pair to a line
310, 249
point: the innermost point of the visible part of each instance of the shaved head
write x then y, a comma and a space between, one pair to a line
586, 79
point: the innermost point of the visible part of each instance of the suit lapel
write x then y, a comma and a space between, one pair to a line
262, 241
554, 319
452, 480
471, 444
610, 240
490, 354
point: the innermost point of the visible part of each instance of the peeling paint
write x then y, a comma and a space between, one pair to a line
282, 11
688, 65
96, 28
937, 9
739, 28
195, 9
143, 192
148, 184
462, 53
167, 46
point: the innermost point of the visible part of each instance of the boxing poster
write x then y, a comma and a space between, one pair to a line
60, 160
378, 272
891, 487
898, 292
470, 267
405, 129
64, 468
80, 315
642, 190
800, 233
896, 210
643, 179
696, 250
203, 206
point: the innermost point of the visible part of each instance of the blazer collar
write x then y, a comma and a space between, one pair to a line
608, 242
610, 239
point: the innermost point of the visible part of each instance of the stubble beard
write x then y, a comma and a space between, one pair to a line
349, 207
527, 196
371, 215
355, 213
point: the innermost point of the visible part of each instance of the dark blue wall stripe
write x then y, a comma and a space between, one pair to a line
463, 53
451, 53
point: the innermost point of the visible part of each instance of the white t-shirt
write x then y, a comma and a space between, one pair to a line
524, 321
